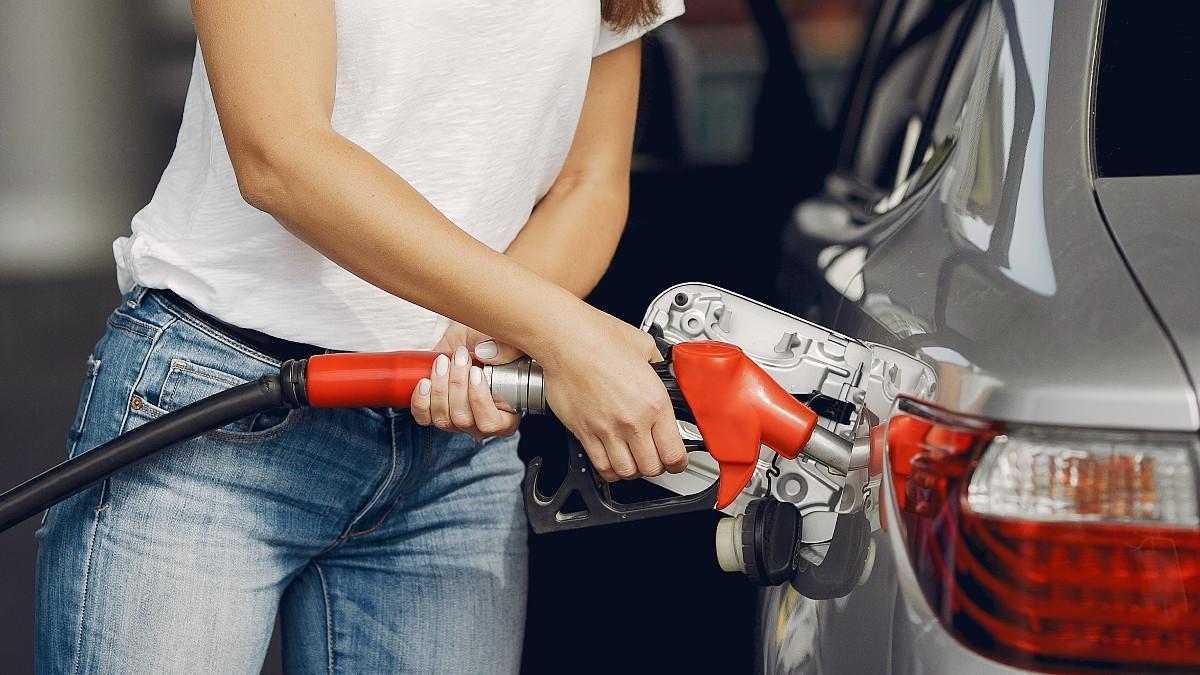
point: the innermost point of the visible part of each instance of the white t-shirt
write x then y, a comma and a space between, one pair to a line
473, 102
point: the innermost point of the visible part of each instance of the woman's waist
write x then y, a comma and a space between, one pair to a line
277, 348
293, 321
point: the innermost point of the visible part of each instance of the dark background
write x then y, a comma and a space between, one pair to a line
730, 138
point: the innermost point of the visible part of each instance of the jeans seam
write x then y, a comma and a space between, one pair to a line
421, 460
87, 574
165, 394
290, 420
216, 376
139, 294
328, 616
135, 325
378, 523
383, 488
141, 373
130, 330
87, 404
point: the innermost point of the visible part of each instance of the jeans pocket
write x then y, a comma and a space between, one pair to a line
187, 382
81, 411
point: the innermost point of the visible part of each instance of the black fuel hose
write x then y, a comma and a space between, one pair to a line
77, 474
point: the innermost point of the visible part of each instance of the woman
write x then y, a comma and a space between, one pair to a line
347, 174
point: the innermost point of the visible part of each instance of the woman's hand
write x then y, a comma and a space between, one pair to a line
455, 396
603, 389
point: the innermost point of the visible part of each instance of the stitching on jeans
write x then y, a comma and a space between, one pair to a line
104, 487
178, 368
209, 373
87, 574
104, 491
219, 337
290, 420
131, 324
141, 373
382, 518
417, 467
131, 331
328, 615
387, 481
87, 404
422, 457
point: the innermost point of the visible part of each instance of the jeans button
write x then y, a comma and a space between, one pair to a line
136, 403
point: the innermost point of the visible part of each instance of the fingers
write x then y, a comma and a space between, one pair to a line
620, 459
419, 406
652, 450
456, 398
495, 352
456, 394
439, 394
670, 447
650, 345
599, 458
489, 420
641, 445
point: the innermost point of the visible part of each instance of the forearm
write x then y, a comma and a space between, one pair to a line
359, 213
572, 234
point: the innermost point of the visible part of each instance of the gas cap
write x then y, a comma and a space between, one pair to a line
847, 565
762, 543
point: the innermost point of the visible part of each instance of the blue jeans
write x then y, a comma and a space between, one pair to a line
382, 546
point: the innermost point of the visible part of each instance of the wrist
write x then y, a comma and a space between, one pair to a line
570, 328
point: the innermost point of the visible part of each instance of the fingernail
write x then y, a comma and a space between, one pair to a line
441, 365
486, 350
476, 374
460, 356
423, 387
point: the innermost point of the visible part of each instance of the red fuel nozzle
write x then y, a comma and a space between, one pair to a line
737, 407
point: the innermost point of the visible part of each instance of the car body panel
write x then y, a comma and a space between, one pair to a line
995, 270
1156, 222
1022, 302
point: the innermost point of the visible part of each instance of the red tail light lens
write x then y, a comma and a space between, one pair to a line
1052, 548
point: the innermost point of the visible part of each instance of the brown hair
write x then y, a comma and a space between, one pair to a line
625, 14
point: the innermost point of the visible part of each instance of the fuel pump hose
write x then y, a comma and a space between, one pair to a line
74, 475
323, 381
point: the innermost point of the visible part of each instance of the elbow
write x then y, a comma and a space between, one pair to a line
261, 172
271, 166
612, 186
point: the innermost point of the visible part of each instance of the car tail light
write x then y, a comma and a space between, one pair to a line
1052, 548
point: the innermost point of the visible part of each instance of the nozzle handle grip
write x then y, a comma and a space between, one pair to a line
385, 380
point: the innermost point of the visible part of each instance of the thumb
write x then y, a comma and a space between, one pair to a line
494, 352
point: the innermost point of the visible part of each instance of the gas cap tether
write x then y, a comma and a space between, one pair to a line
762, 543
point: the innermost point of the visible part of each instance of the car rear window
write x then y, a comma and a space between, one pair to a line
1148, 89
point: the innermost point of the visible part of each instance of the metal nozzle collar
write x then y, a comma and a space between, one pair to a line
520, 384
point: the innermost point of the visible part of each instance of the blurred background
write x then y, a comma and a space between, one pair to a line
740, 100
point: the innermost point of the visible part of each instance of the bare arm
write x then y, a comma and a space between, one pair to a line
271, 64
569, 239
272, 67
572, 234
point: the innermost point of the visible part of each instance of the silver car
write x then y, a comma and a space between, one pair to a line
1002, 275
